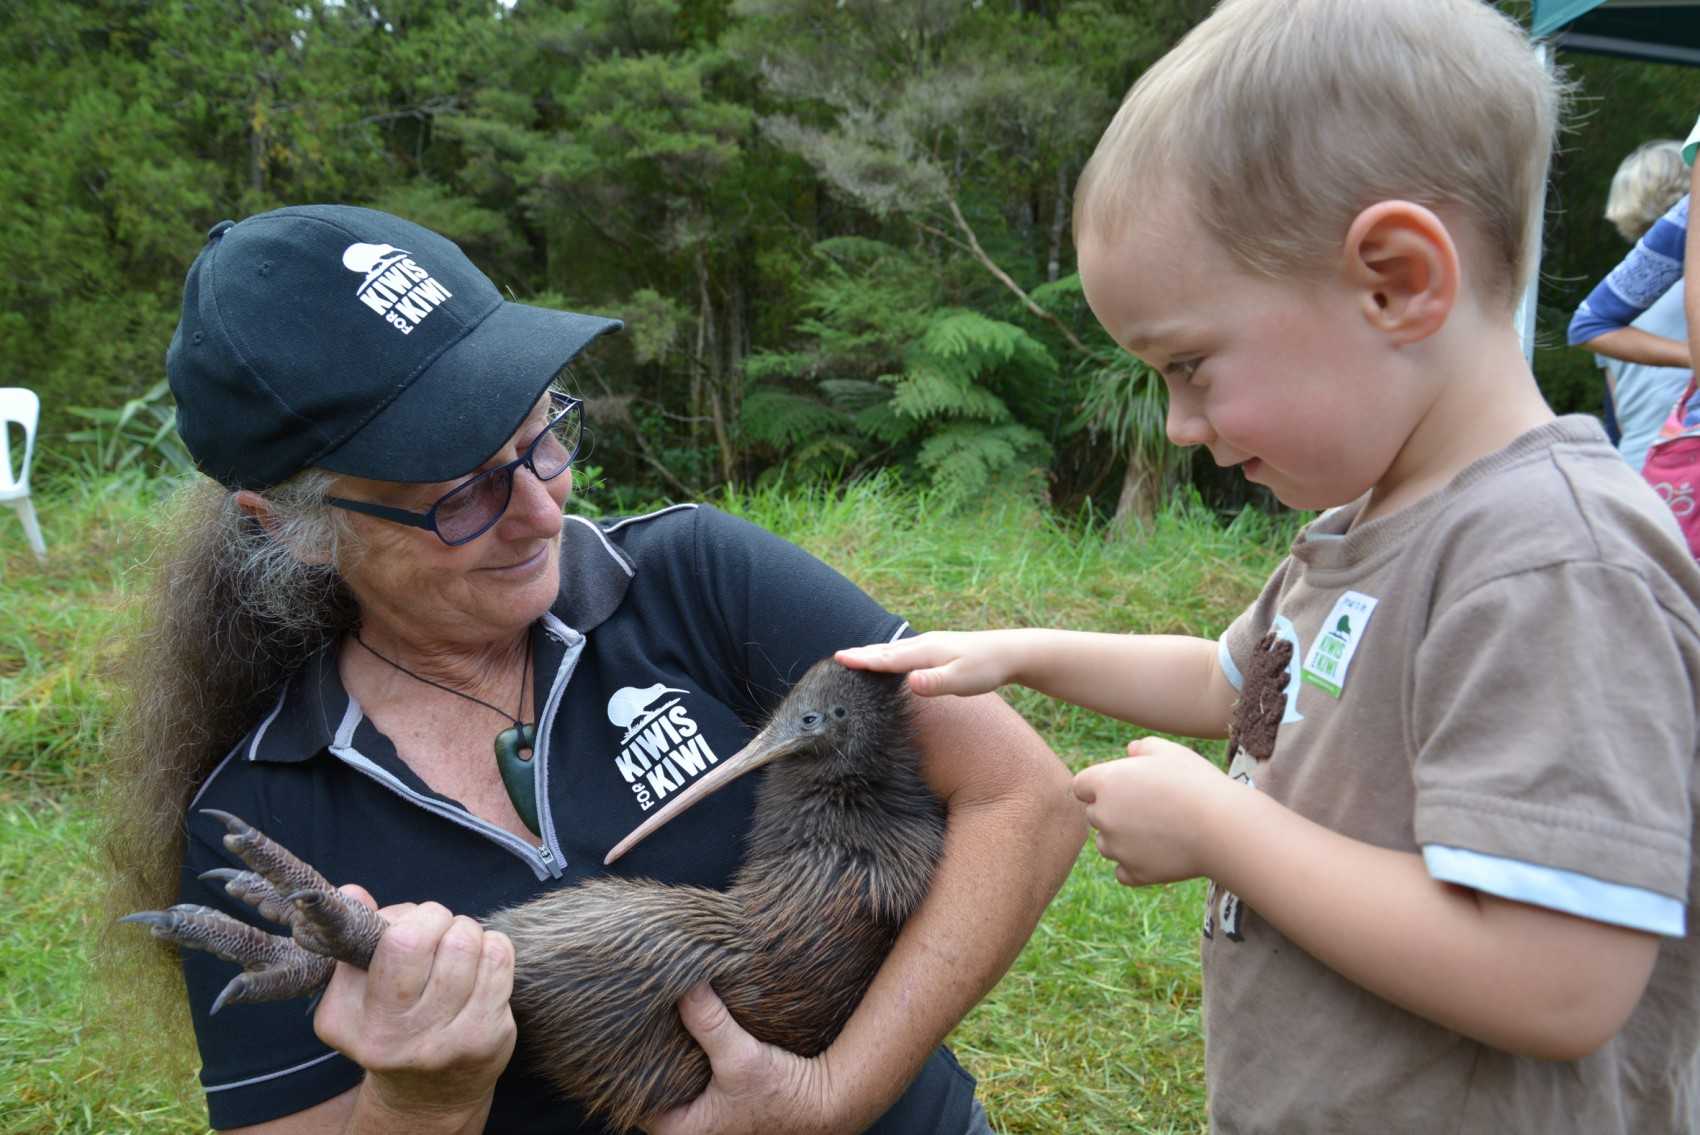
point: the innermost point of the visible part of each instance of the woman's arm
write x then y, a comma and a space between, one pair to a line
1014, 831
1691, 287
1652, 266
1633, 345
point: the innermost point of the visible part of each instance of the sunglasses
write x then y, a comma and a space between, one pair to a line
468, 510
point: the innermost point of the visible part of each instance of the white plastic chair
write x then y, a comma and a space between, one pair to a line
23, 407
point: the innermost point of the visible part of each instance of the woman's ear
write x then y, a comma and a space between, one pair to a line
1404, 265
254, 505
259, 508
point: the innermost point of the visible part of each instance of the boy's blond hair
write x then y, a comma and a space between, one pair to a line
1280, 120
1647, 183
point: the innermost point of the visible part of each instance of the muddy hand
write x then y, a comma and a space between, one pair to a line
325, 926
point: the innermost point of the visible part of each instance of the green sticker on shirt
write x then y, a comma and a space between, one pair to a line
1331, 654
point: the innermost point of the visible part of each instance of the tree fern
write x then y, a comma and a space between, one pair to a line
783, 420
927, 390
965, 461
886, 372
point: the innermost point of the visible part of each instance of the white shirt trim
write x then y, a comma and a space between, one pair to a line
269, 1075
1226, 661
614, 553
1556, 889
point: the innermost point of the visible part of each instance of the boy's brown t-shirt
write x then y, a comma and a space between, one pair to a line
1508, 667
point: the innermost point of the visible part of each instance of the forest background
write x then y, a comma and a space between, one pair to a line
838, 230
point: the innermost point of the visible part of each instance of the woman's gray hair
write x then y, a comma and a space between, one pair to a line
287, 569
1647, 183
236, 607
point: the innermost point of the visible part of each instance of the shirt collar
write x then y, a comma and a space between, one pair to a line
304, 720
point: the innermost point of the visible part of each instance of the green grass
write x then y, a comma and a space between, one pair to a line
1095, 1028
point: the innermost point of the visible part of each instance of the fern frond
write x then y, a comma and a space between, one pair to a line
928, 392
781, 419
964, 460
853, 395
884, 424
765, 365
974, 346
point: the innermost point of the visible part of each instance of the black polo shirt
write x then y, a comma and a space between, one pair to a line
673, 634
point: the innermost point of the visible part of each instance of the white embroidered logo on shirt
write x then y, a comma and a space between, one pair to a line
662, 749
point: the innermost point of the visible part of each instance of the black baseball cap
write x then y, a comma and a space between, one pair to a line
355, 341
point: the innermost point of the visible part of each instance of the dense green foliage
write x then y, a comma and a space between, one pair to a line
838, 229
1095, 1029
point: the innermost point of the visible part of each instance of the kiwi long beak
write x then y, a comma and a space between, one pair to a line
764, 748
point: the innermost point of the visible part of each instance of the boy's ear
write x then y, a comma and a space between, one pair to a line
1403, 262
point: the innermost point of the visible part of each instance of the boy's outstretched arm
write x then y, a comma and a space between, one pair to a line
1170, 683
1521, 978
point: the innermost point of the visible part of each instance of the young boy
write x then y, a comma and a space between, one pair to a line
1453, 852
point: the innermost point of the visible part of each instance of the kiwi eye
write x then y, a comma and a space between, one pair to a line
810, 720
839, 712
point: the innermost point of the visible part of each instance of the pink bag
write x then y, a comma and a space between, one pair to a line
1673, 468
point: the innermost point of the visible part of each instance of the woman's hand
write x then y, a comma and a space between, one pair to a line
756, 1087
1152, 810
429, 1020
945, 662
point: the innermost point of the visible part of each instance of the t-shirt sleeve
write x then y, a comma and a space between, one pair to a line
1554, 726
1693, 143
1235, 646
780, 608
258, 1062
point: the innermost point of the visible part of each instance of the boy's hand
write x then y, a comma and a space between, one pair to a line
1151, 809
944, 662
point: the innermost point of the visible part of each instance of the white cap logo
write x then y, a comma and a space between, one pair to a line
370, 259
393, 285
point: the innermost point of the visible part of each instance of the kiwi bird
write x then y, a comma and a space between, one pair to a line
841, 849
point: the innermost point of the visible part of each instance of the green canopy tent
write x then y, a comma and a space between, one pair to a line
1666, 31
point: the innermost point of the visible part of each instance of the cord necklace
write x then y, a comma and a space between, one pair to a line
514, 745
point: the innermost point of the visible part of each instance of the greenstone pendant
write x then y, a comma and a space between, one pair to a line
514, 747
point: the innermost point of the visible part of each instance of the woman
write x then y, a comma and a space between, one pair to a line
1633, 319
383, 643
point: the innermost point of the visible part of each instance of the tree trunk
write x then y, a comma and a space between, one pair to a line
1059, 224
712, 367
1137, 504
1005, 279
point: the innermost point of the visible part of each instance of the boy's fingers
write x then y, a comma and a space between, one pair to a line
1085, 785
875, 656
858, 657
928, 683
